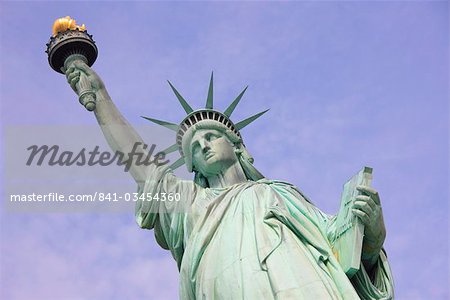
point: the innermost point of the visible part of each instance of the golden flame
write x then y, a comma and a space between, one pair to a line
64, 24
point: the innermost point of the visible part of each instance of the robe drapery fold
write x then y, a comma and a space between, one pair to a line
253, 240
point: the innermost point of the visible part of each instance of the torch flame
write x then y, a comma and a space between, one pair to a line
64, 24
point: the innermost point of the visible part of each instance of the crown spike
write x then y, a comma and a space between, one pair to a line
177, 163
209, 100
168, 125
187, 108
171, 149
232, 106
247, 121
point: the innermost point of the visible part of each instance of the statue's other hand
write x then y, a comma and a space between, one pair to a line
368, 208
79, 68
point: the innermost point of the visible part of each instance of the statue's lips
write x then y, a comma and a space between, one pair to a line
209, 154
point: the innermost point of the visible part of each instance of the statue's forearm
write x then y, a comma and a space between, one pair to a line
110, 118
119, 134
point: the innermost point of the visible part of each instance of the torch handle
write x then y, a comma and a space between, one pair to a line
86, 95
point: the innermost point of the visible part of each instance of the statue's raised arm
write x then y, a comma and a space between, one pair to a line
119, 134
71, 51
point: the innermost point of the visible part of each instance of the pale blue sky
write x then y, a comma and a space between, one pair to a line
348, 84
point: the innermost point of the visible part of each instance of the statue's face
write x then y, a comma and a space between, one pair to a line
212, 152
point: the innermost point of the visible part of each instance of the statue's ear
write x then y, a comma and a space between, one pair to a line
237, 149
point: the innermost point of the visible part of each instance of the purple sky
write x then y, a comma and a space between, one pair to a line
348, 84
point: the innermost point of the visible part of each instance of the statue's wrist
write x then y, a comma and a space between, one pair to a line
374, 240
102, 95
371, 248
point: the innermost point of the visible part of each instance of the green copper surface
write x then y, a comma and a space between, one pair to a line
247, 121
236, 234
168, 125
233, 104
187, 108
209, 100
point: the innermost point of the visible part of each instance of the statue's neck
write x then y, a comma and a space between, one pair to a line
230, 176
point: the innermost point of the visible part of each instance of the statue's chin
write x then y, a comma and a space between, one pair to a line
212, 167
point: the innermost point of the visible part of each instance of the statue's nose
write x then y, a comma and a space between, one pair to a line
205, 146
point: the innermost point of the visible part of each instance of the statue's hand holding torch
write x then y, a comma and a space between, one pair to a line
82, 78
71, 50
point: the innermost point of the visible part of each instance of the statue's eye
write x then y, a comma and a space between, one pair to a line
211, 137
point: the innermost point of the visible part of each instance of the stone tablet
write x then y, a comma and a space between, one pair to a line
349, 228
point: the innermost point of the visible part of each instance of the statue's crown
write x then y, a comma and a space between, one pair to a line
204, 115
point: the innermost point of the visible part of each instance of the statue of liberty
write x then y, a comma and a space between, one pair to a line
236, 234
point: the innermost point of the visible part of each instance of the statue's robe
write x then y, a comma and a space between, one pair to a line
253, 240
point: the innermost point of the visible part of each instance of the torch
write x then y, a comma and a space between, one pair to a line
68, 44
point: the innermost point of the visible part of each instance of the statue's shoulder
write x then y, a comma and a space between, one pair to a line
275, 182
280, 184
